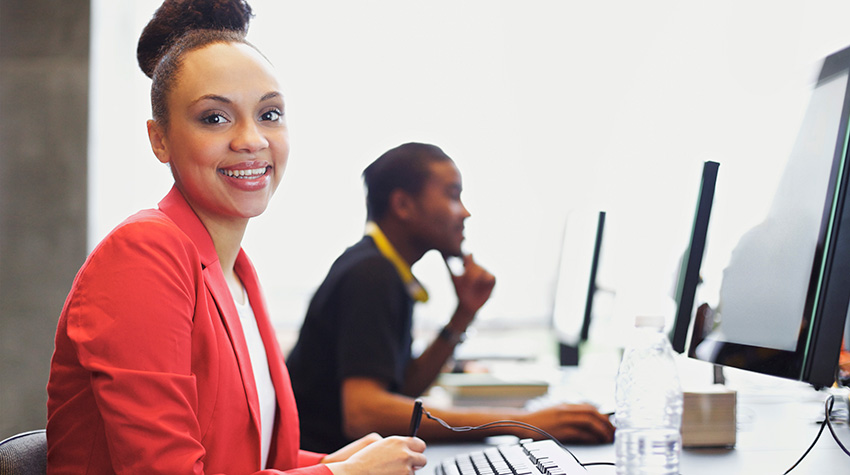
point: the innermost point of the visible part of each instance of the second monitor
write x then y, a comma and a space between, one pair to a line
576, 284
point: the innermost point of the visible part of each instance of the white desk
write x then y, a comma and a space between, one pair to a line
777, 422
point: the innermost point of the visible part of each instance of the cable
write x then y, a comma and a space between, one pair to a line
509, 423
828, 403
823, 424
828, 407
591, 464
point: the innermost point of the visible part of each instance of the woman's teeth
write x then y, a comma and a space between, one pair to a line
253, 172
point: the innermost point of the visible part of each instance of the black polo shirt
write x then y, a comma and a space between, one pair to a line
358, 324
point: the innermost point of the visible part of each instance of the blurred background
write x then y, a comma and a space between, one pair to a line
549, 108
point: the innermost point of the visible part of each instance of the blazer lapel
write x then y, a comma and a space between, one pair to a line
214, 279
176, 208
249, 278
287, 415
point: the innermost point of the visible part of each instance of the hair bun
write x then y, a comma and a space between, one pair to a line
174, 18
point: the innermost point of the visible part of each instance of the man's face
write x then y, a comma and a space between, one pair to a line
439, 213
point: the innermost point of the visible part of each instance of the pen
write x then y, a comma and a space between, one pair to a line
416, 418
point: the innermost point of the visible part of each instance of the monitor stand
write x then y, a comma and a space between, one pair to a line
568, 354
718, 375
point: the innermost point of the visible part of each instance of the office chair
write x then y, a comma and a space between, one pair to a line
24, 454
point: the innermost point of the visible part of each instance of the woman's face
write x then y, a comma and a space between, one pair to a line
226, 141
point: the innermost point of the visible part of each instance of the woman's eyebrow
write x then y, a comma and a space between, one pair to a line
215, 97
270, 95
212, 97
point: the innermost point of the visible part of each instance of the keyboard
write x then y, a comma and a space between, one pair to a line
542, 457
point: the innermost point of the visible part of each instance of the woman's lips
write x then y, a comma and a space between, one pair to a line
247, 179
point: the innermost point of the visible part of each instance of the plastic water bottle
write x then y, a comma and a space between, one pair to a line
649, 403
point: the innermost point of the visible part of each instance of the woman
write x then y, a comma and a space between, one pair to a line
165, 359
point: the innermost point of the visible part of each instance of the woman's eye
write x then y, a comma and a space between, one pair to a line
272, 115
214, 119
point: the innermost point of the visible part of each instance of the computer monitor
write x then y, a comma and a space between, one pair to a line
576, 282
689, 271
785, 288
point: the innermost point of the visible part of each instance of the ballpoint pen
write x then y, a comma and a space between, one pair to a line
416, 418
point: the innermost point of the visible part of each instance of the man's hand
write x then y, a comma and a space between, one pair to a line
473, 288
576, 423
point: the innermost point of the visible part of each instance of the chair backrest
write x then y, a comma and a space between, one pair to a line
24, 454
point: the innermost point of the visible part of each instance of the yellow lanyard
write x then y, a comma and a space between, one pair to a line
414, 288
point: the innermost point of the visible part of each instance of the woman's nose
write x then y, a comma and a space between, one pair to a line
248, 138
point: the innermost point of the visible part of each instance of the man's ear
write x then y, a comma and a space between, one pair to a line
402, 205
159, 145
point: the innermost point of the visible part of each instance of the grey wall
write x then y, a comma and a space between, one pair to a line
44, 60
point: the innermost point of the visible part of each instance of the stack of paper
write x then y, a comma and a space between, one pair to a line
709, 417
487, 389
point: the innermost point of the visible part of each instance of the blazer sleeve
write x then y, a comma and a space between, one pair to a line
307, 458
130, 320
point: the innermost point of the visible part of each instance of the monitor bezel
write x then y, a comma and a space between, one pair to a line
689, 273
568, 353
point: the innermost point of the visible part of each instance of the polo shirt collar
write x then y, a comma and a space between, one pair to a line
385, 247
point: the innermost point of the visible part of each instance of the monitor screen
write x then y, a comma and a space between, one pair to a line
576, 281
785, 285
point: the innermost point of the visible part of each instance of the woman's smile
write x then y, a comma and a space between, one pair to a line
248, 174
247, 178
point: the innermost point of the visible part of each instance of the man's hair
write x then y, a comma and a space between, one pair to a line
405, 167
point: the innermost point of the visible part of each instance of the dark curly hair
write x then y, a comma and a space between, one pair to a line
181, 26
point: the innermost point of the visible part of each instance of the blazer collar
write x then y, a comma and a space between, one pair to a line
175, 206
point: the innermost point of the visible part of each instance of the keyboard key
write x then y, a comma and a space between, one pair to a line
525, 458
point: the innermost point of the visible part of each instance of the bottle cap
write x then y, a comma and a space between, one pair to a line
654, 321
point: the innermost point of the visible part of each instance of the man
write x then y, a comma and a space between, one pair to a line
352, 369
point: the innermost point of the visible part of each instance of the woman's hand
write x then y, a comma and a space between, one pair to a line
389, 456
344, 453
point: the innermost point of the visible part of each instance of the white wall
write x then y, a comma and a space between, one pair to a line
545, 106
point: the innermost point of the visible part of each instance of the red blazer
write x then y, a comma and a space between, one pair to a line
151, 372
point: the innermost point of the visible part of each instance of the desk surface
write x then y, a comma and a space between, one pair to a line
777, 422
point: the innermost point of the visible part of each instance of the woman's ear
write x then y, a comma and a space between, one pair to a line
159, 145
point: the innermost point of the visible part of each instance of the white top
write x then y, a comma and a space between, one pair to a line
262, 377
